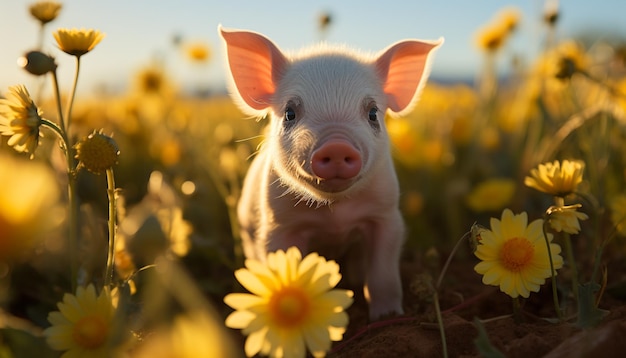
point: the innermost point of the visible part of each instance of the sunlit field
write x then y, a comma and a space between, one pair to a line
119, 237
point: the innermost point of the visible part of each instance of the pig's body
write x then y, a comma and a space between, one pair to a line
324, 179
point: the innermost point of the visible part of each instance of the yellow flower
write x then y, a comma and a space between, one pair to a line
45, 11
97, 152
77, 42
194, 335
83, 325
28, 201
509, 18
566, 218
491, 195
198, 52
292, 306
514, 255
492, 37
556, 178
20, 119
618, 213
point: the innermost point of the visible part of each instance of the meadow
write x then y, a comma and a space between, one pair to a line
118, 234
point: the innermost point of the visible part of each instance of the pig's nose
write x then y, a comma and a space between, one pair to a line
336, 160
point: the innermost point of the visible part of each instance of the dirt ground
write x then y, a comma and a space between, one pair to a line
463, 298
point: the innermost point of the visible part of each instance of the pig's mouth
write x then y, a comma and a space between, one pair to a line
334, 185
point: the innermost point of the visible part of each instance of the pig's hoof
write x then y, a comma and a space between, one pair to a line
386, 316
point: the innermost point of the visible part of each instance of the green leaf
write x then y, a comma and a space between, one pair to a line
18, 343
588, 312
483, 344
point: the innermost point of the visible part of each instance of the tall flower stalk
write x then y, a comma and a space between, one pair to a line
561, 179
111, 192
76, 43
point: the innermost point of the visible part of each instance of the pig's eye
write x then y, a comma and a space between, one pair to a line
290, 114
373, 114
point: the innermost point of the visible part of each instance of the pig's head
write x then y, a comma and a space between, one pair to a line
327, 135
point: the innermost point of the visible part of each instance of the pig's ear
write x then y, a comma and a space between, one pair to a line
404, 68
255, 65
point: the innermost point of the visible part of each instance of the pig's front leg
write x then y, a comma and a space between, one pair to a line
384, 285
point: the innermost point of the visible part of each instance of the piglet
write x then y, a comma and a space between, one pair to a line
324, 179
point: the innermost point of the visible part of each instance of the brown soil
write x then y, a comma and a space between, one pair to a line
463, 298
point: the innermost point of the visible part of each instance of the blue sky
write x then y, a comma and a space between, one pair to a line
138, 31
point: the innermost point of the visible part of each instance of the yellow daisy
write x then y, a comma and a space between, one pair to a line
20, 119
566, 218
509, 18
198, 52
189, 336
556, 178
45, 11
77, 42
83, 326
490, 195
292, 305
491, 37
514, 255
28, 205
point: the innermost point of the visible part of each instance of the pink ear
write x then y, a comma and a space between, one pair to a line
255, 64
404, 68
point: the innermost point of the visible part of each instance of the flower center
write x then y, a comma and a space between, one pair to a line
516, 253
289, 307
90, 332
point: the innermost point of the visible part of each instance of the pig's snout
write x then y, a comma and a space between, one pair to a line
336, 160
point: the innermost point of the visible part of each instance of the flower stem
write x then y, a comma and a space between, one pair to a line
73, 219
70, 100
442, 331
57, 96
62, 130
517, 310
72, 199
555, 296
108, 276
569, 251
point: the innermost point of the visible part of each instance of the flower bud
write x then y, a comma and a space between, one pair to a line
37, 63
97, 152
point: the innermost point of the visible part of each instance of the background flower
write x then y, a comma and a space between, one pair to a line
20, 119
566, 218
193, 335
491, 194
514, 255
77, 42
556, 178
83, 325
45, 11
292, 305
28, 205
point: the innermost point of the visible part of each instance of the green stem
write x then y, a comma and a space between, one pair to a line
442, 331
569, 251
57, 96
517, 310
57, 130
108, 277
62, 130
555, 296
70, 101
73, 219
72, 199
42, 27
